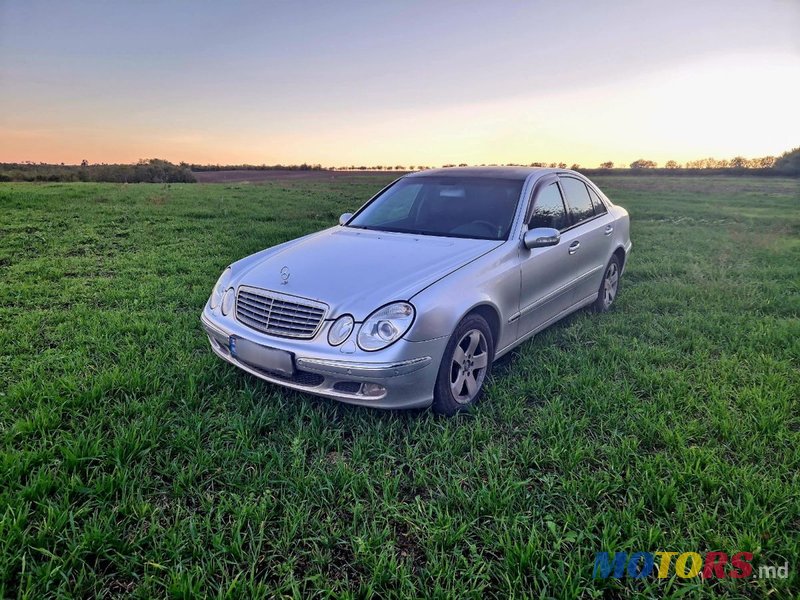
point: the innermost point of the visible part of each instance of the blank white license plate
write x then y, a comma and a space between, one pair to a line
261, 357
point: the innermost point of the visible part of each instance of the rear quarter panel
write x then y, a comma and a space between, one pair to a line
622, 231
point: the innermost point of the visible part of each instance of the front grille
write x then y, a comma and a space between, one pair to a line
279, 314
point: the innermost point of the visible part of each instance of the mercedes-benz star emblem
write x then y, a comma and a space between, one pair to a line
285, 275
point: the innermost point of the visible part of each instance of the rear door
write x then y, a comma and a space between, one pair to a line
590, 243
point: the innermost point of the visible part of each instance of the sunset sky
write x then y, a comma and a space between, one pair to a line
405, 83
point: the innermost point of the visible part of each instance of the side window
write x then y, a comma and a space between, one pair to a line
580, 204
597, 203
548, 209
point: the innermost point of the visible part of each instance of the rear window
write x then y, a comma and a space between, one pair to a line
597, 203
580, 204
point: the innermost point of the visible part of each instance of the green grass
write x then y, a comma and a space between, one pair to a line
132, 461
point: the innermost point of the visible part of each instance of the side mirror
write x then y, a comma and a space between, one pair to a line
541, 237
345, 218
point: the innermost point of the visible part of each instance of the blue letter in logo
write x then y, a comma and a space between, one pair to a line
647, 565
602, 565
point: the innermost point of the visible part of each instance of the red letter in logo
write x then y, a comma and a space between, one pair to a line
715, 565
741, 566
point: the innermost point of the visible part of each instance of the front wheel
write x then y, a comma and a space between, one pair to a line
609, 287
466, 364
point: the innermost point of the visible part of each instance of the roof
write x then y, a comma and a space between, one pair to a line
520, 173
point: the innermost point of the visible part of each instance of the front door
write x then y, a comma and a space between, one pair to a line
548, 274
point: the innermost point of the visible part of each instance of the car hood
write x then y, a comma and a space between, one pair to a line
357, 271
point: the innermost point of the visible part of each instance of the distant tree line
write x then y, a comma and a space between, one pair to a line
380, 168
155, 170
788, 164
152, 170
739, 162
302, 167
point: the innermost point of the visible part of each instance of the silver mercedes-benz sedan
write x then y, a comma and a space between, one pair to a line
407, 302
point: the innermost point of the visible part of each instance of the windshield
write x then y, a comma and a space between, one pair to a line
469, 207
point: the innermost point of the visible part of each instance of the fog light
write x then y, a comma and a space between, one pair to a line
372, 389
340, 330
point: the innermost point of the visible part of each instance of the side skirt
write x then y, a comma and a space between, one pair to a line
577, 306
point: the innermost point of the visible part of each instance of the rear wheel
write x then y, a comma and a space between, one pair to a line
609, 287
466, 363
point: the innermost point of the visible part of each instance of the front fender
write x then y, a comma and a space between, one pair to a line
492, 281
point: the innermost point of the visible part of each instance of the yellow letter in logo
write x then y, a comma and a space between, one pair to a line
680, 565
663, 566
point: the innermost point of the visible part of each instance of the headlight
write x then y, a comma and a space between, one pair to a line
227, 301
385, 326
340, 330
219, 288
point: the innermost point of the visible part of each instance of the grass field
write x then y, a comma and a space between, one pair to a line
132, 461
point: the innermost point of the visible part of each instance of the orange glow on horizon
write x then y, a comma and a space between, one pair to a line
683, 114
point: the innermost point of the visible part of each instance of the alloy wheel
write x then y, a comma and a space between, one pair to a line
610, 284
468, 366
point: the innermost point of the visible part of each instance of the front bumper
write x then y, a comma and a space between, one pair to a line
406, 370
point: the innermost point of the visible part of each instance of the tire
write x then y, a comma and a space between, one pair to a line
609, 286
461, 364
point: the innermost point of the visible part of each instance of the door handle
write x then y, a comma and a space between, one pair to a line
573, 247
608, 230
